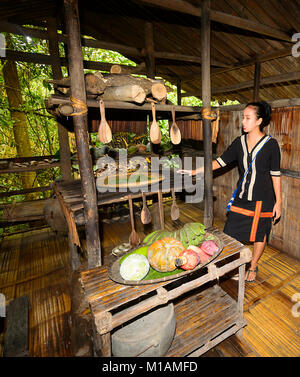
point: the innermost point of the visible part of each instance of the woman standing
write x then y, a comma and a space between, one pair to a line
258, 198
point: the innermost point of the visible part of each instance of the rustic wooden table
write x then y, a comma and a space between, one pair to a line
203, 319
70, 197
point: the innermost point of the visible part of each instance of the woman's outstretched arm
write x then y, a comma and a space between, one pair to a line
215, 165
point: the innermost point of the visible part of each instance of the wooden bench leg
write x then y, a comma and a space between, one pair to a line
74, 255
161, 210
101, 343
239, 334
241, 291
106, 345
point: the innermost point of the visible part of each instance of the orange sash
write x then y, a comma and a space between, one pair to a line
257, 214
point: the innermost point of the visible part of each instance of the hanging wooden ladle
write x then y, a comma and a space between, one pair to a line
145, 213
134, 238
174, 207
155, 135
104, 131
175, 133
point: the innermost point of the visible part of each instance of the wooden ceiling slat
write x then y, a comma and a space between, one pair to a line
121, 23
279, 13
252, 10
217, 16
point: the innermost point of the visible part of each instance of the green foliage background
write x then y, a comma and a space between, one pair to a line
42, 127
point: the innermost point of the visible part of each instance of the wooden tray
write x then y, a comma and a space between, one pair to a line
146, 179
114, 268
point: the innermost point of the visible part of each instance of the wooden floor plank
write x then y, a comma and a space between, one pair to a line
234, 347
269, 334
280, 306
279, 269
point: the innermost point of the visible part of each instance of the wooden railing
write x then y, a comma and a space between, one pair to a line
26, 164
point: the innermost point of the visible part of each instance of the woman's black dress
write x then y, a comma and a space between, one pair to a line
250, 216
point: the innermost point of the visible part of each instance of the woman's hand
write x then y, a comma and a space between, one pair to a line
276, 211
189, 172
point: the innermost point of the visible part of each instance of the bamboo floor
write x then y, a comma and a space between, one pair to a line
36, 263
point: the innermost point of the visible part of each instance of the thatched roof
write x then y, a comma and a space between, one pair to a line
263, 32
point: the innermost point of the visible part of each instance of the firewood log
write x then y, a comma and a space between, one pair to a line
127, 93
155, 88
121, 69
94, 83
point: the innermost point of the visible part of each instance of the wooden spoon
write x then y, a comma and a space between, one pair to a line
134, 238
174, 207
145, 214
175, 133
104, 131
155, 135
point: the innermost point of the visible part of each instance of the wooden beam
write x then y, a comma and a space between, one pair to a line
26, 159
150, 60
287, 102
46, 59
40, 166
82, 137
276, 79
245, 63
87, 64
290, 173
179, 93
25, 191
249, 25
176, 6
186, 58
221, 17
87, 42
206, 99
55, 100
63, 136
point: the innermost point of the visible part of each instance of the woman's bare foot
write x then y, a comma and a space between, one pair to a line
251, 275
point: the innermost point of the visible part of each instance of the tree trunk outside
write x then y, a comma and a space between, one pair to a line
20, 127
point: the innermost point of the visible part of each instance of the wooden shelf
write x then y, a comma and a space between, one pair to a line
22, 164
200, 318
204, 316
112, 107
30, 168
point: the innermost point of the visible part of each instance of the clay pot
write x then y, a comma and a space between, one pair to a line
149, 336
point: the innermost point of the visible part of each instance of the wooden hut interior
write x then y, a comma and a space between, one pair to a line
58, 281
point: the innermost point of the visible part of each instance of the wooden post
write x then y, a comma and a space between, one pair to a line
63, 136
179, 96
88, 184
256, 81
149, 46
150, 61
206, 99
